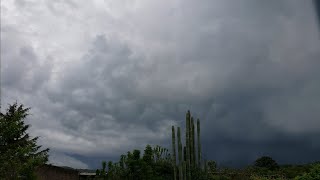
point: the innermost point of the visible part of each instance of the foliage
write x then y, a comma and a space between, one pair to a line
250, 172
154, 164
314, 174
212, 166
220, 177
20, 154
101, 173
292, 171
266, 162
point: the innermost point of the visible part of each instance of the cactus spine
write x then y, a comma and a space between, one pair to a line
174, 153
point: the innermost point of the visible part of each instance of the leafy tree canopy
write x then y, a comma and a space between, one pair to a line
155, 163
266, 162
20, 154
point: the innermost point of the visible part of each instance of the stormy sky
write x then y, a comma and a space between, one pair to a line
106, 77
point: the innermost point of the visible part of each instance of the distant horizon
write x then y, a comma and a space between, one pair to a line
219, 165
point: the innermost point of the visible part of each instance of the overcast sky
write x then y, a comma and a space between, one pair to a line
105, 77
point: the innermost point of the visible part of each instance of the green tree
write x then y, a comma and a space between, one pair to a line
101, 173
266, 162
154, 164
212, 167
111, 170
134, 164
20, 154
148, 162
148, 155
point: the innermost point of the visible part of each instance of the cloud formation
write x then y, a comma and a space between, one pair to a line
104, 77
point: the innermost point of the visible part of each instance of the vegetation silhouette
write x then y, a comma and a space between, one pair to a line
186, 163
20, 154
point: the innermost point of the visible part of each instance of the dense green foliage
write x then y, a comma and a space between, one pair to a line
155, 163
20, 154
314, 173
153, 166
298, 172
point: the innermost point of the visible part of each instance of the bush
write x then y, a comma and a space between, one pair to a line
314, 174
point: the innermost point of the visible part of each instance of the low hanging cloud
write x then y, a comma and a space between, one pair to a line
105, 77
60, 159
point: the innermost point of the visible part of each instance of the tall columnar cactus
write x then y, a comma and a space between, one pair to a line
199, 143
189, 156
184, 153
191, 142
193, 145
188, 144
181, 171
180, 154
184, 171
179, 144
184, 163
174, 153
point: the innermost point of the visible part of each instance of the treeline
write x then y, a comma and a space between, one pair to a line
152, 165
186, 163
155, 163
20, 155
283, 172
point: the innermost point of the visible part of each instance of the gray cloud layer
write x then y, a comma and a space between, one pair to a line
105, 77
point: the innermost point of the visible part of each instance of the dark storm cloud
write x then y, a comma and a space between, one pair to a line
283, 148
21, 68
120, 79
269, 90
317, 9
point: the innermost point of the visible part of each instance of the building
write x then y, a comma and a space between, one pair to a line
50, 172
